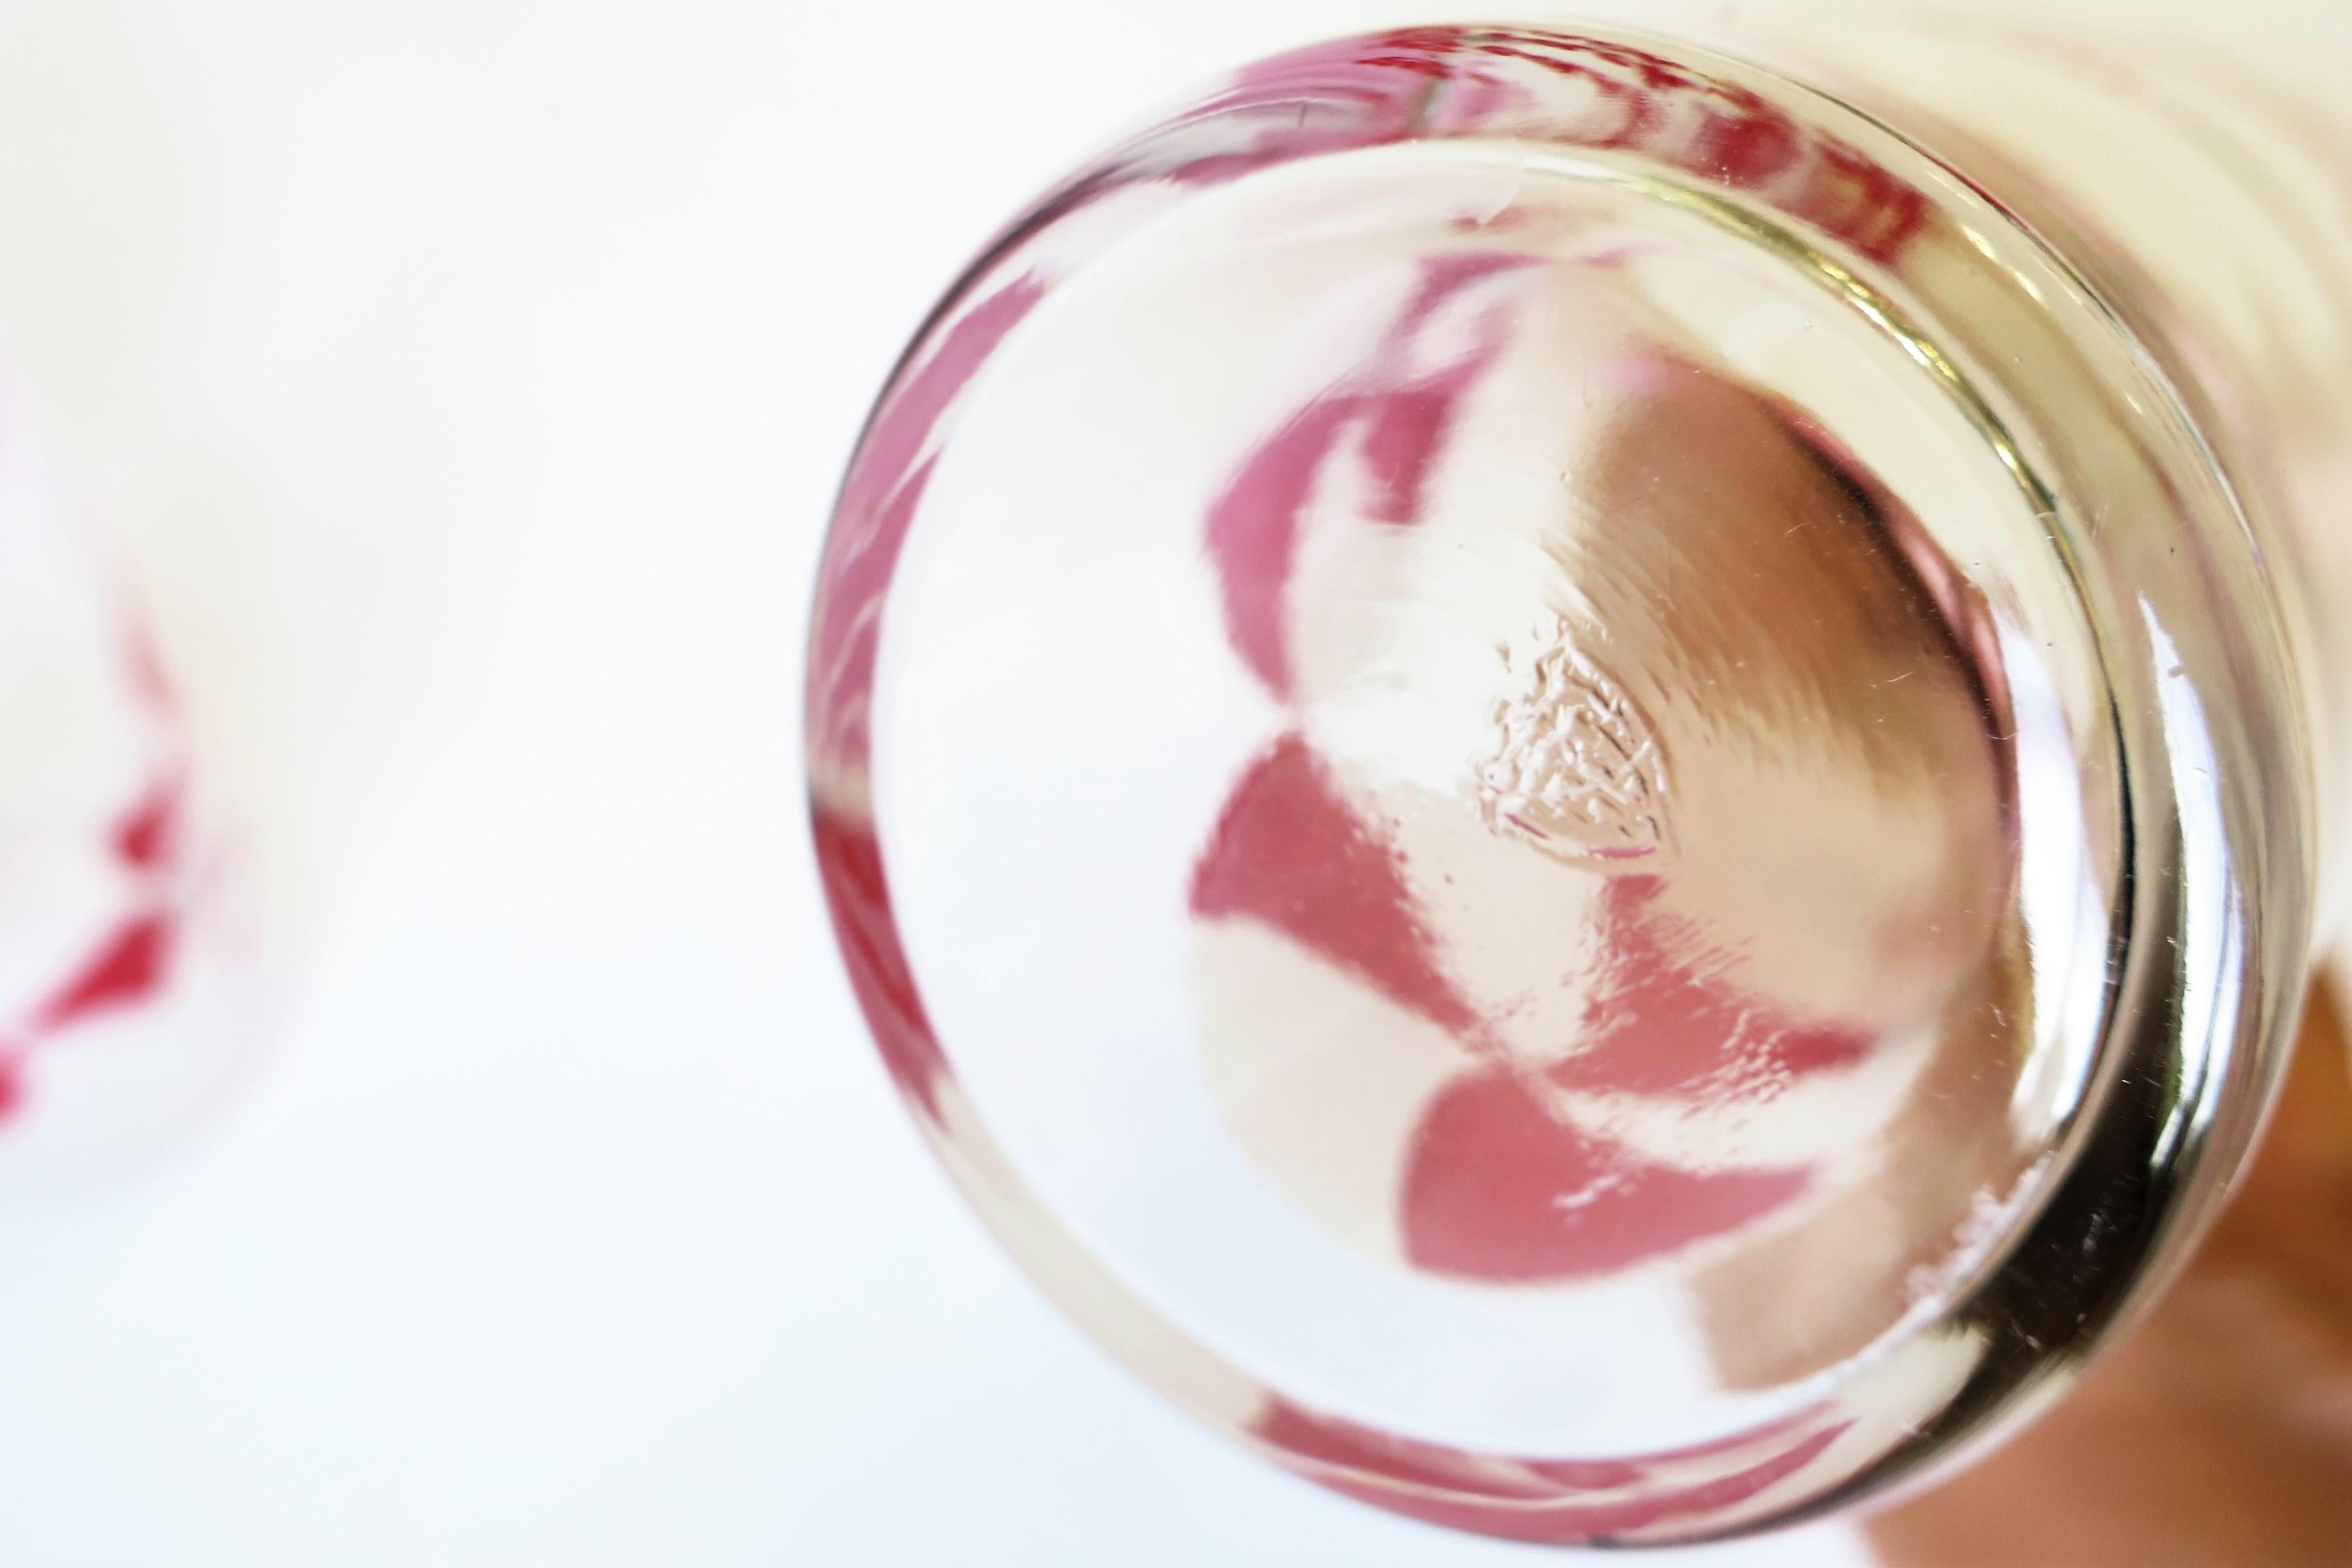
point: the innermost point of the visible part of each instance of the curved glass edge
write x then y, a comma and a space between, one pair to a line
2202, 698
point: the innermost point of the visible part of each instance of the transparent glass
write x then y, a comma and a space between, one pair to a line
1585, 787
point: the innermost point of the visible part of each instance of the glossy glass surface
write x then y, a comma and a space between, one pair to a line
1512, 750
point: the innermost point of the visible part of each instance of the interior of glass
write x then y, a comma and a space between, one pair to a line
1479, 781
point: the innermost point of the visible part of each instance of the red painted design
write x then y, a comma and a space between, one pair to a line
143, 839
1582, 1523
879, 504
132, 962
127, 968
1325, 97
1253, 533
1557, 1502
1501, 1184
1291, 852
844, 645
1666, 1021
1400, 84
1499, 1188
1398, 421
1748, 150
903, 426
877, 510
148, 681
1410, 420
857, 896
1429, 83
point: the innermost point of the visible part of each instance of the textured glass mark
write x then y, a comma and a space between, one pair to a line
1575, 770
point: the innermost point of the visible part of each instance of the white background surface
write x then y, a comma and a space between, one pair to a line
467, 384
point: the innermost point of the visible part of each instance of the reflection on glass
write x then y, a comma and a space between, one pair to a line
1511, 746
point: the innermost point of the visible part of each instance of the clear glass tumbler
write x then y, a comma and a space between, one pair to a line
1583, 780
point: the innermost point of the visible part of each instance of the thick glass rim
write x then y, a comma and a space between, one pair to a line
2203, 729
